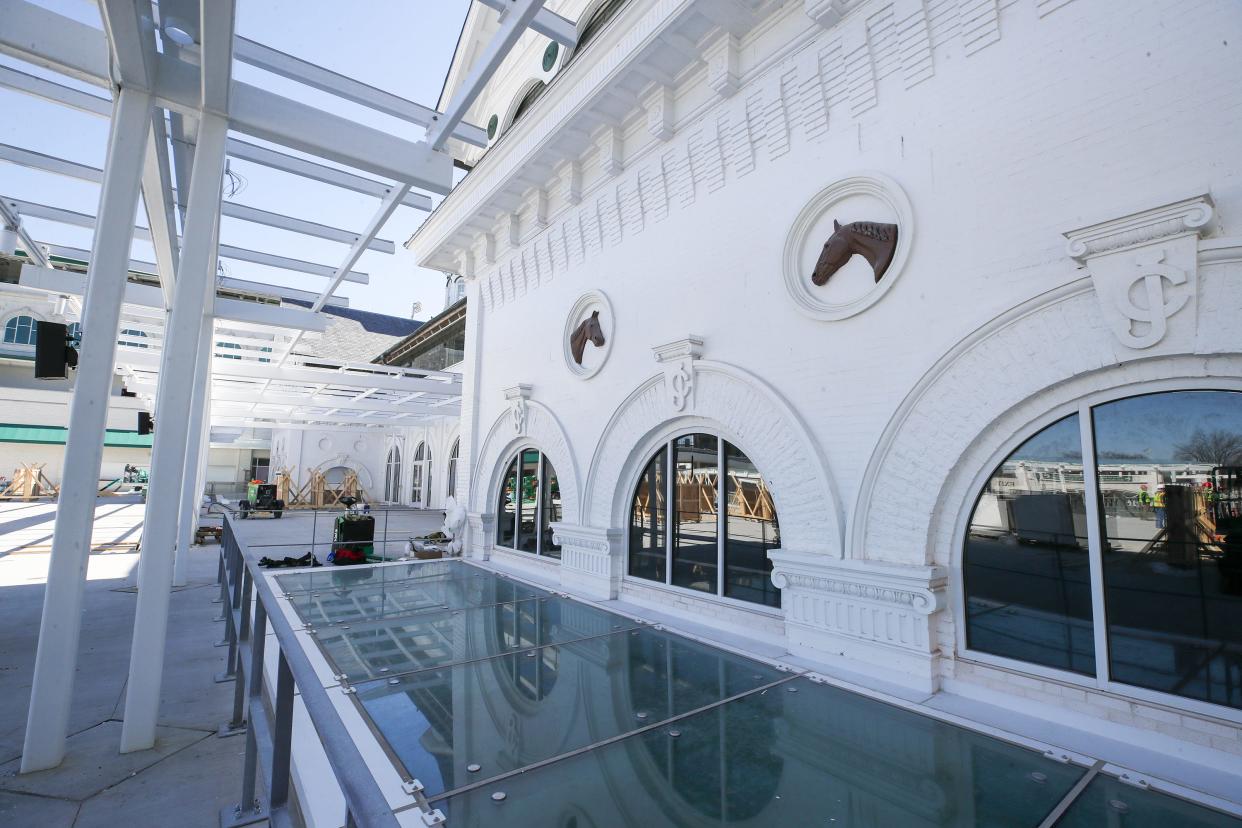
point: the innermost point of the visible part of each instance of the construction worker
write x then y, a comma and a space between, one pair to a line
1161, 511
1144, 497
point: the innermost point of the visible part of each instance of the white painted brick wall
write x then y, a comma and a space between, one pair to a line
1007, 124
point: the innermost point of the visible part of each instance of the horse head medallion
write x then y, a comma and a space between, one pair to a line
588, 330
874, 242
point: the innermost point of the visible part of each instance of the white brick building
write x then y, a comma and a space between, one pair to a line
1064, 180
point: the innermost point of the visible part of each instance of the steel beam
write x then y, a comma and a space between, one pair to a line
84, 172
194, 286
62, 44
196, 426
55, 92
56, 659
325, 80
144, 296
548, 23
322, 173
157, 197
10, 216
297, 225
72, 217
224, 394
361, 380
513, 25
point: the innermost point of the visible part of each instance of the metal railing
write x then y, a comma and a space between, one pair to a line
248, 605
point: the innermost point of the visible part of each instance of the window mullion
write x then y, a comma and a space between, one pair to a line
669, 512
720, 517
539, 472
1091, 500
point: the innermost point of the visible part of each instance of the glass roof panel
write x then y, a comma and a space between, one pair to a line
390, 647
1109, 801
797, 754
514, 710
345, 605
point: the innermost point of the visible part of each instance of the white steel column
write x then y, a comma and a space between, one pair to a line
52, 688
194, 278
191, 491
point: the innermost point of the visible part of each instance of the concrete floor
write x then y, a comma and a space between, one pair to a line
191, 773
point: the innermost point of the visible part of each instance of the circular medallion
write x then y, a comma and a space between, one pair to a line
587, 339
325, 444
492, 123
848, 246
360, 446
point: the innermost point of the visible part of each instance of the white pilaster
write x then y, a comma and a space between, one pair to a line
864, 616
592, 560
51, 691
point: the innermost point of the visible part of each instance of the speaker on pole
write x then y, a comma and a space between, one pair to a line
53, 356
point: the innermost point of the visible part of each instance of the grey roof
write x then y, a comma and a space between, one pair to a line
356, 335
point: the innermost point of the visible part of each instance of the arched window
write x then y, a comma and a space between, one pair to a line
1137, 501
451, 487
132, 332
527, 101
392, 476
21, 330
529, 503
230, 345
596, 20
722, 516
421, 457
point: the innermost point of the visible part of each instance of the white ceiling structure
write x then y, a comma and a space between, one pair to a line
158, 47
177, 113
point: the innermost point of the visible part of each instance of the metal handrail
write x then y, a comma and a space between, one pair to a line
249, 605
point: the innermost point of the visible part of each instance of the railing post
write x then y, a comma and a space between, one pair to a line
237, 665
282, 736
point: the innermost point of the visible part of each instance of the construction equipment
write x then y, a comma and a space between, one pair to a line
261, 498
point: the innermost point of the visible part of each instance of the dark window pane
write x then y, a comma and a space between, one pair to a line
1168, 469
527, 539
647, 550
506, 508
751, 530
695, 517
550, 502
1028, 581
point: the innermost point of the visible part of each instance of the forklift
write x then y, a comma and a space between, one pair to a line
261, 497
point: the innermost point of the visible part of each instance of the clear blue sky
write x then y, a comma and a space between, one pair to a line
402, 46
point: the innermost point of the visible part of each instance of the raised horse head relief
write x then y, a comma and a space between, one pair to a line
588, 330
873, 241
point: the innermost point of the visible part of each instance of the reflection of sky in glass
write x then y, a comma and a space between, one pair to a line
1148, 429
1058, 443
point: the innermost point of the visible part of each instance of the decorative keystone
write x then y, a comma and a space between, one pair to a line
678, 358
518, 396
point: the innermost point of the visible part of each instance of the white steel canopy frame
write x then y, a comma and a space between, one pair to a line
175, 112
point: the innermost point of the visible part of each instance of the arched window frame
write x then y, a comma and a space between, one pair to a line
450, 486
522, 102
392, 476
668, 446
593, 20
419, 463
1083, 408
544, 510
20, 330
133, 332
